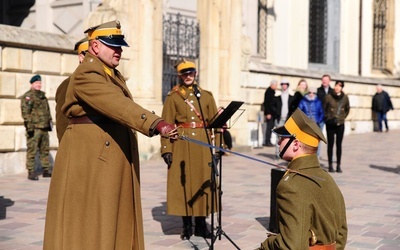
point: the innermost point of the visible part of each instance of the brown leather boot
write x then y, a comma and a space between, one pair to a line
32, 176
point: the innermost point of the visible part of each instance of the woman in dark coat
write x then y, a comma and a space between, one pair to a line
336, 108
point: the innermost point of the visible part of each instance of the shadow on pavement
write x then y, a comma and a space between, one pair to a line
387, 169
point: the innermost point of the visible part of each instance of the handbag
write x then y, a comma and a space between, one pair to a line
333, 121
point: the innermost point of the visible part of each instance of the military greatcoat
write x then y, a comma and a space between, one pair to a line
61, 120
189, 175
307, 202
94, 197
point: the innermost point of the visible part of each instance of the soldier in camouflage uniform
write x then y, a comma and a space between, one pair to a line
37, 120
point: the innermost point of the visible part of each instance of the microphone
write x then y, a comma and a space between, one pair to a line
196, 91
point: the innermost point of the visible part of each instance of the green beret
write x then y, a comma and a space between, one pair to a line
35, 78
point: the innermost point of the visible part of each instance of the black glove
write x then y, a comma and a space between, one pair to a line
167, 158
30, 133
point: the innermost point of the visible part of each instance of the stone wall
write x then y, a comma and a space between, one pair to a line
24, 53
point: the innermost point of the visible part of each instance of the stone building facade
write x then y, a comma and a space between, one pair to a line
244, 44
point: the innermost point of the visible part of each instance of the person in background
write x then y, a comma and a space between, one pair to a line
37, 120
281, 108
226, 135
94, 197
61, 120
310, 206
189, 175
336, 109
381, 104
269, 96
312, 107
301, 90
324, 89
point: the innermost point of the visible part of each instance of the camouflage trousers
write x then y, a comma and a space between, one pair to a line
38, 141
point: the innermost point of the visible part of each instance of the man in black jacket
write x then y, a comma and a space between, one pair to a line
381, 104
325, 88
268, 113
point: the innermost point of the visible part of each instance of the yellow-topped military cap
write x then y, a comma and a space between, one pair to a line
302, 128
185, 66
108, 33
82, 45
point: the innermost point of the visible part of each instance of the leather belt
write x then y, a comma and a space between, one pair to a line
190, 125
89, 120
324, 247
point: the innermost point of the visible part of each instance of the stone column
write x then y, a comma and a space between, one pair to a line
208, 14
141, 22
220, 55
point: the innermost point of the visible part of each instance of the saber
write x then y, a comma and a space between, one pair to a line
185, 138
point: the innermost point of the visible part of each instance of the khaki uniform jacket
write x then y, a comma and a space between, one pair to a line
61, 120
94, 198
308, 202
189, 173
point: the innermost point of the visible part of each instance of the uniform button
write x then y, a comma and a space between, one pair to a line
191, 94
192, 118
153, 112
193, 133
191, 101
107, 143
143, 116
191, 109
165, 147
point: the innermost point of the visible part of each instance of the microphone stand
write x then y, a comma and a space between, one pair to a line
214, 172
212, 164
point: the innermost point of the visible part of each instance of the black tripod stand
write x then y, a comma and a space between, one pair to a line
219, 123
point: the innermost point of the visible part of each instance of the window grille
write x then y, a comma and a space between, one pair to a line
317, 32
181, 39
379, 34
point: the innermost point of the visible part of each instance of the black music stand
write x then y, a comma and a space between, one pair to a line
220, 121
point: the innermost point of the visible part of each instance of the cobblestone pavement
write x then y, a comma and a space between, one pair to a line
369, 182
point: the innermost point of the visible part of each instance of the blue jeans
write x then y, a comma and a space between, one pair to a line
382, 117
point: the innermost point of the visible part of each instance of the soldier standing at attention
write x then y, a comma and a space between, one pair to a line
94, 197
37, 120
61, 120
188, 184
310, 206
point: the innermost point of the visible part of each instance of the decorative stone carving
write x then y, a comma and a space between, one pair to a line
246, 52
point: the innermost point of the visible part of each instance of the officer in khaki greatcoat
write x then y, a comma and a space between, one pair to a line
37, 120
310, 206
94, 197
188, 184
61, 120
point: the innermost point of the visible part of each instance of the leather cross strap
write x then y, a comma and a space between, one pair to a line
194, 109
324, 247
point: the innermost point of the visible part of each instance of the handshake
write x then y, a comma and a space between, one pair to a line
167, 130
